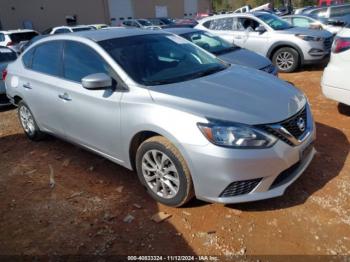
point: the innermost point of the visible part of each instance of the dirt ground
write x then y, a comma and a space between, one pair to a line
85, 210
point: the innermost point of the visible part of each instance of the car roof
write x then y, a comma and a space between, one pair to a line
17, 31
181, 30
108, 33
248, 14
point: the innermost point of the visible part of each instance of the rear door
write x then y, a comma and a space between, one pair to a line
91, 117
40, 84
222, 27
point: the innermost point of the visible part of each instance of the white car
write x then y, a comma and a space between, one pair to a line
66, 29
13, 38
335, 80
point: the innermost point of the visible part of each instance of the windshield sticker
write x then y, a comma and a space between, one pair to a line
177, 39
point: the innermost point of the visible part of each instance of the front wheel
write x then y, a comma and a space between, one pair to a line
286, 59
163, 171
28, 123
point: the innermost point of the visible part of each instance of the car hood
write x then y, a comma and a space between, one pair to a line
237, 94
306, 31
245, 57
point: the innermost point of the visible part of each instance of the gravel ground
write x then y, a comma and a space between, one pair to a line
96, 207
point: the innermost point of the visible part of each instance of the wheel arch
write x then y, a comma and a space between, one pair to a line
282, 44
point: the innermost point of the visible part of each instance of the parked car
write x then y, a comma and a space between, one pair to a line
224, 50
13, 38
161, 21
288, 47
139, 23
335, 81
189, 123
335, 12
99, 26
66, 29
7, 56
314, 23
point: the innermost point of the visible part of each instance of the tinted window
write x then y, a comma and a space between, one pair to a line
319, 12
81, 29
6, 55
19, 37
207, 24
156, 59
27, 58
2, 37
62, 30
80, 61
47, 58
222, 24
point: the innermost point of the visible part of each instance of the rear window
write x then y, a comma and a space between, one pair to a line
7, 55
19, 37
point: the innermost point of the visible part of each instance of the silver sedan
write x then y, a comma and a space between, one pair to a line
187, 122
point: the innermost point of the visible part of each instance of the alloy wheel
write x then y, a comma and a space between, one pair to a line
285, 60
160, 174
27, 120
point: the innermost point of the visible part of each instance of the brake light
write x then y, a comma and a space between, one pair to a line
9, 44
4, 74
341, 45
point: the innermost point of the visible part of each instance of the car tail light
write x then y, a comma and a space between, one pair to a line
4, 74
9, 44
341, 45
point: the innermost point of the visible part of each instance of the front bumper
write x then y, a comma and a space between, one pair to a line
214, 169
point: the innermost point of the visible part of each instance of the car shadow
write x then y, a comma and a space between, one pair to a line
58, 199
332, 149
344, 109
7, 108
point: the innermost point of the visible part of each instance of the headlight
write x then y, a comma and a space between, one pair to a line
237, 136
310, 38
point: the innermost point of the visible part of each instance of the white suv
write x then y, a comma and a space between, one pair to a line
335, 80
288, 47
13, 38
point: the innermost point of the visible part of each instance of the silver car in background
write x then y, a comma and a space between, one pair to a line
288, 47
7, 56
188, 123
226, 51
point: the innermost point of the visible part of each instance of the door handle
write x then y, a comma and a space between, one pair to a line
27, 86
64, 97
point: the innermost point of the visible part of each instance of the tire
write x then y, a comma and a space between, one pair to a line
28, 122
149, 161
286, 59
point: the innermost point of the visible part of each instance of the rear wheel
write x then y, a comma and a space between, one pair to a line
163, 171
286, 59
28, 123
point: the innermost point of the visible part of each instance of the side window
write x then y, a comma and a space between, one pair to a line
222, 24
339, 11
247, 24
80, 60
28, 57
301, 22
48, 58
2, 38
207, 24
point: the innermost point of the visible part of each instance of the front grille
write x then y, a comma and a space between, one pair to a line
240, 187
292, 126
328, 42
277, 134
285, 176
4, 99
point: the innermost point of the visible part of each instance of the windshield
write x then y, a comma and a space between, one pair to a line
156, 59
209, 42
144, 22
274, 22
7, 55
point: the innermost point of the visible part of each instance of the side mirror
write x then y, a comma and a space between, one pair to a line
260, 29
97, 81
